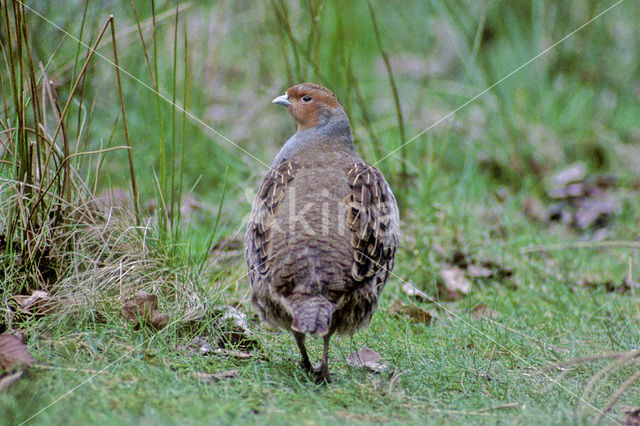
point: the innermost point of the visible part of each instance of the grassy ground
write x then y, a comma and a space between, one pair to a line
476, 185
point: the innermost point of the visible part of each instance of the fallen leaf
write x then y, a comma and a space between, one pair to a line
462, 265
234, 354
206, 348
628, 284
217, 376
584, 202
595, 211
415, 313
497, 270
233, 327
13, 353
227, 374
9, 379
201, 346
570, 191
633, 415
144, 307
609, 285
479, 271
367, 358
572, 173
456, 283
198, 345
38, 303
159, 320
534, 210
412, 291
561, 212
483, 311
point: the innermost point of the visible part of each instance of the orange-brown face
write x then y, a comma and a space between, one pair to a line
309, 104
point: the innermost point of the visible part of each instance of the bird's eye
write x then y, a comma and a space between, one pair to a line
306, 98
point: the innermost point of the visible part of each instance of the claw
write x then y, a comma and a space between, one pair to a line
322, 375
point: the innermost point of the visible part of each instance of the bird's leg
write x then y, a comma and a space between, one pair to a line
305, 364
322, 374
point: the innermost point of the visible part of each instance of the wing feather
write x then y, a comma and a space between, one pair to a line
373, 219
263, 216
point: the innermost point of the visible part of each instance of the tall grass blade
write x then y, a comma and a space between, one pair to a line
396, 97
214, 231
134, 187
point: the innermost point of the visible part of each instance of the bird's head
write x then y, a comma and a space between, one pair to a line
311, 105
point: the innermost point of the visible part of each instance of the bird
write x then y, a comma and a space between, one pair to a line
323, 231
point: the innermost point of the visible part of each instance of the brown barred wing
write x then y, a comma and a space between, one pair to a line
373, 219
263, 216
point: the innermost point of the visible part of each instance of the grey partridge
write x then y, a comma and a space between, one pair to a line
322, 237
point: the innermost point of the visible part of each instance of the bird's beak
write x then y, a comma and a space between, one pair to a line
282, 100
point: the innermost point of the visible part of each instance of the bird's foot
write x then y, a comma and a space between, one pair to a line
322, 375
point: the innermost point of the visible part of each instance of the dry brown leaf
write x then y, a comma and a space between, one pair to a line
561, 212
144, 307
498, 270
534, 210
190, 347
584, 202
159, 320
456, 283
595, 210
367, 358
415, 313
227, 374
198, 345
633, 415
483, 311
234, 354
462, 266
412, 291
570, 191
479, 271
10, 379
595, 282
233, 327
38, 303
13, 353
217, 376
201, 346
205, 348
572, 173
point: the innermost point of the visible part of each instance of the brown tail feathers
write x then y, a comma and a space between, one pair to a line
312, 315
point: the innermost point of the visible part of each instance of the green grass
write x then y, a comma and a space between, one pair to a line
444, 371
468, 177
